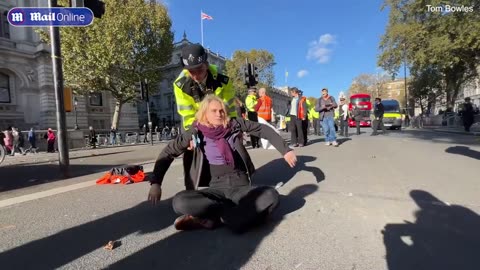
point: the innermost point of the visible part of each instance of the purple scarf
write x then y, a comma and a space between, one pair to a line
217, 134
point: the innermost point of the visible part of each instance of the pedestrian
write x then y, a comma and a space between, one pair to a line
467, 114
378, 114
326, 106
343, 116
305, 119
251, 103
8, 140
113, 135
92, 137
50, 136
298, 113
145, 133
223, 165
356, 116
32, 139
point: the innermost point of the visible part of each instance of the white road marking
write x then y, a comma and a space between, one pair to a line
148, 167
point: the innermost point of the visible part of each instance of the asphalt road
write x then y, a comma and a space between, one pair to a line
408, 200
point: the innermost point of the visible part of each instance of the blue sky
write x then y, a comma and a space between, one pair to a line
321, 43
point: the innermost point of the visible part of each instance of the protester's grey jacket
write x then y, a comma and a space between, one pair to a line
199, 174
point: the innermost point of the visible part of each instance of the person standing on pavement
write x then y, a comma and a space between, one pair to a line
356, 114
298, 113
197, 79
113, 136
250, 103
145, 133
223, 165
468, 114
343, 115
32, 139
50, 136
92, 137
378, 112
326, 105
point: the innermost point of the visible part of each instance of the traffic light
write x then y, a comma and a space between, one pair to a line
97, 7
246, 70
140, 90
254, 77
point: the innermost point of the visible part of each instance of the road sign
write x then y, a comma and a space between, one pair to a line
37, 17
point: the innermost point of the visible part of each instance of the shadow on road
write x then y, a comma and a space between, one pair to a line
42, 159
464, 151
59, 249
15, 177
442, 237
218, 249
277, 171
439, 137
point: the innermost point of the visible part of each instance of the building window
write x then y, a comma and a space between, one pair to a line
5, 88
96, 99
4, 25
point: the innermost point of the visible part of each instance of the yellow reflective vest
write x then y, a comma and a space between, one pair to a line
251, 102
188, 102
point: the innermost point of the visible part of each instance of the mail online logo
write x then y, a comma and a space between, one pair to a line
17, 16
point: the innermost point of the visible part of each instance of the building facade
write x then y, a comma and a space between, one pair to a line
27, 97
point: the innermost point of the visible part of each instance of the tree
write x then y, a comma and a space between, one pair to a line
372, 84
262, 59
447, 41
128, 44
425, 87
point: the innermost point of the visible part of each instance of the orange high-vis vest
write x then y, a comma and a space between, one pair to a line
302, 111
265, 110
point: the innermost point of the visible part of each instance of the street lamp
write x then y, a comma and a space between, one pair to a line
75, 103
405, 75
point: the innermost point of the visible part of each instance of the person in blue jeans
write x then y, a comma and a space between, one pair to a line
326, 106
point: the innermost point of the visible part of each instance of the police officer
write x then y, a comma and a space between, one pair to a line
198, 79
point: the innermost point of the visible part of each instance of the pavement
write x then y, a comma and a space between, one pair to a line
408, 200
474, 131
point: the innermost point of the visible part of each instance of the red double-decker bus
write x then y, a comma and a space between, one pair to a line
364, 103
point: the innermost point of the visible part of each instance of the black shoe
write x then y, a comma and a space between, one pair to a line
373, 134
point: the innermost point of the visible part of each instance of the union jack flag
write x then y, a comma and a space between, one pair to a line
205, 16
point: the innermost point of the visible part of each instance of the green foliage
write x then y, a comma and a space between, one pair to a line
127, 44
448, 42
262, 59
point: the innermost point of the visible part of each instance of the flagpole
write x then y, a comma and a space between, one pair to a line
201, 24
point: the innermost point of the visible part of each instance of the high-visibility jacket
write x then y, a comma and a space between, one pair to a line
265, 110
313, 114
251, 102
188, 95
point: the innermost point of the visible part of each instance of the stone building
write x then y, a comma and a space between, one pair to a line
27, 95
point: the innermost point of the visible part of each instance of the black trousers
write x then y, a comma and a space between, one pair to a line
296, 130
305, 130
376, 123
253, 116
316, 129
344, 127
357, 124
230, 197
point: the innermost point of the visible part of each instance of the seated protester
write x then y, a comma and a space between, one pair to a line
222, 163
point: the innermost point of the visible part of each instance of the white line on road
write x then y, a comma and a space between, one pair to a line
55, 191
